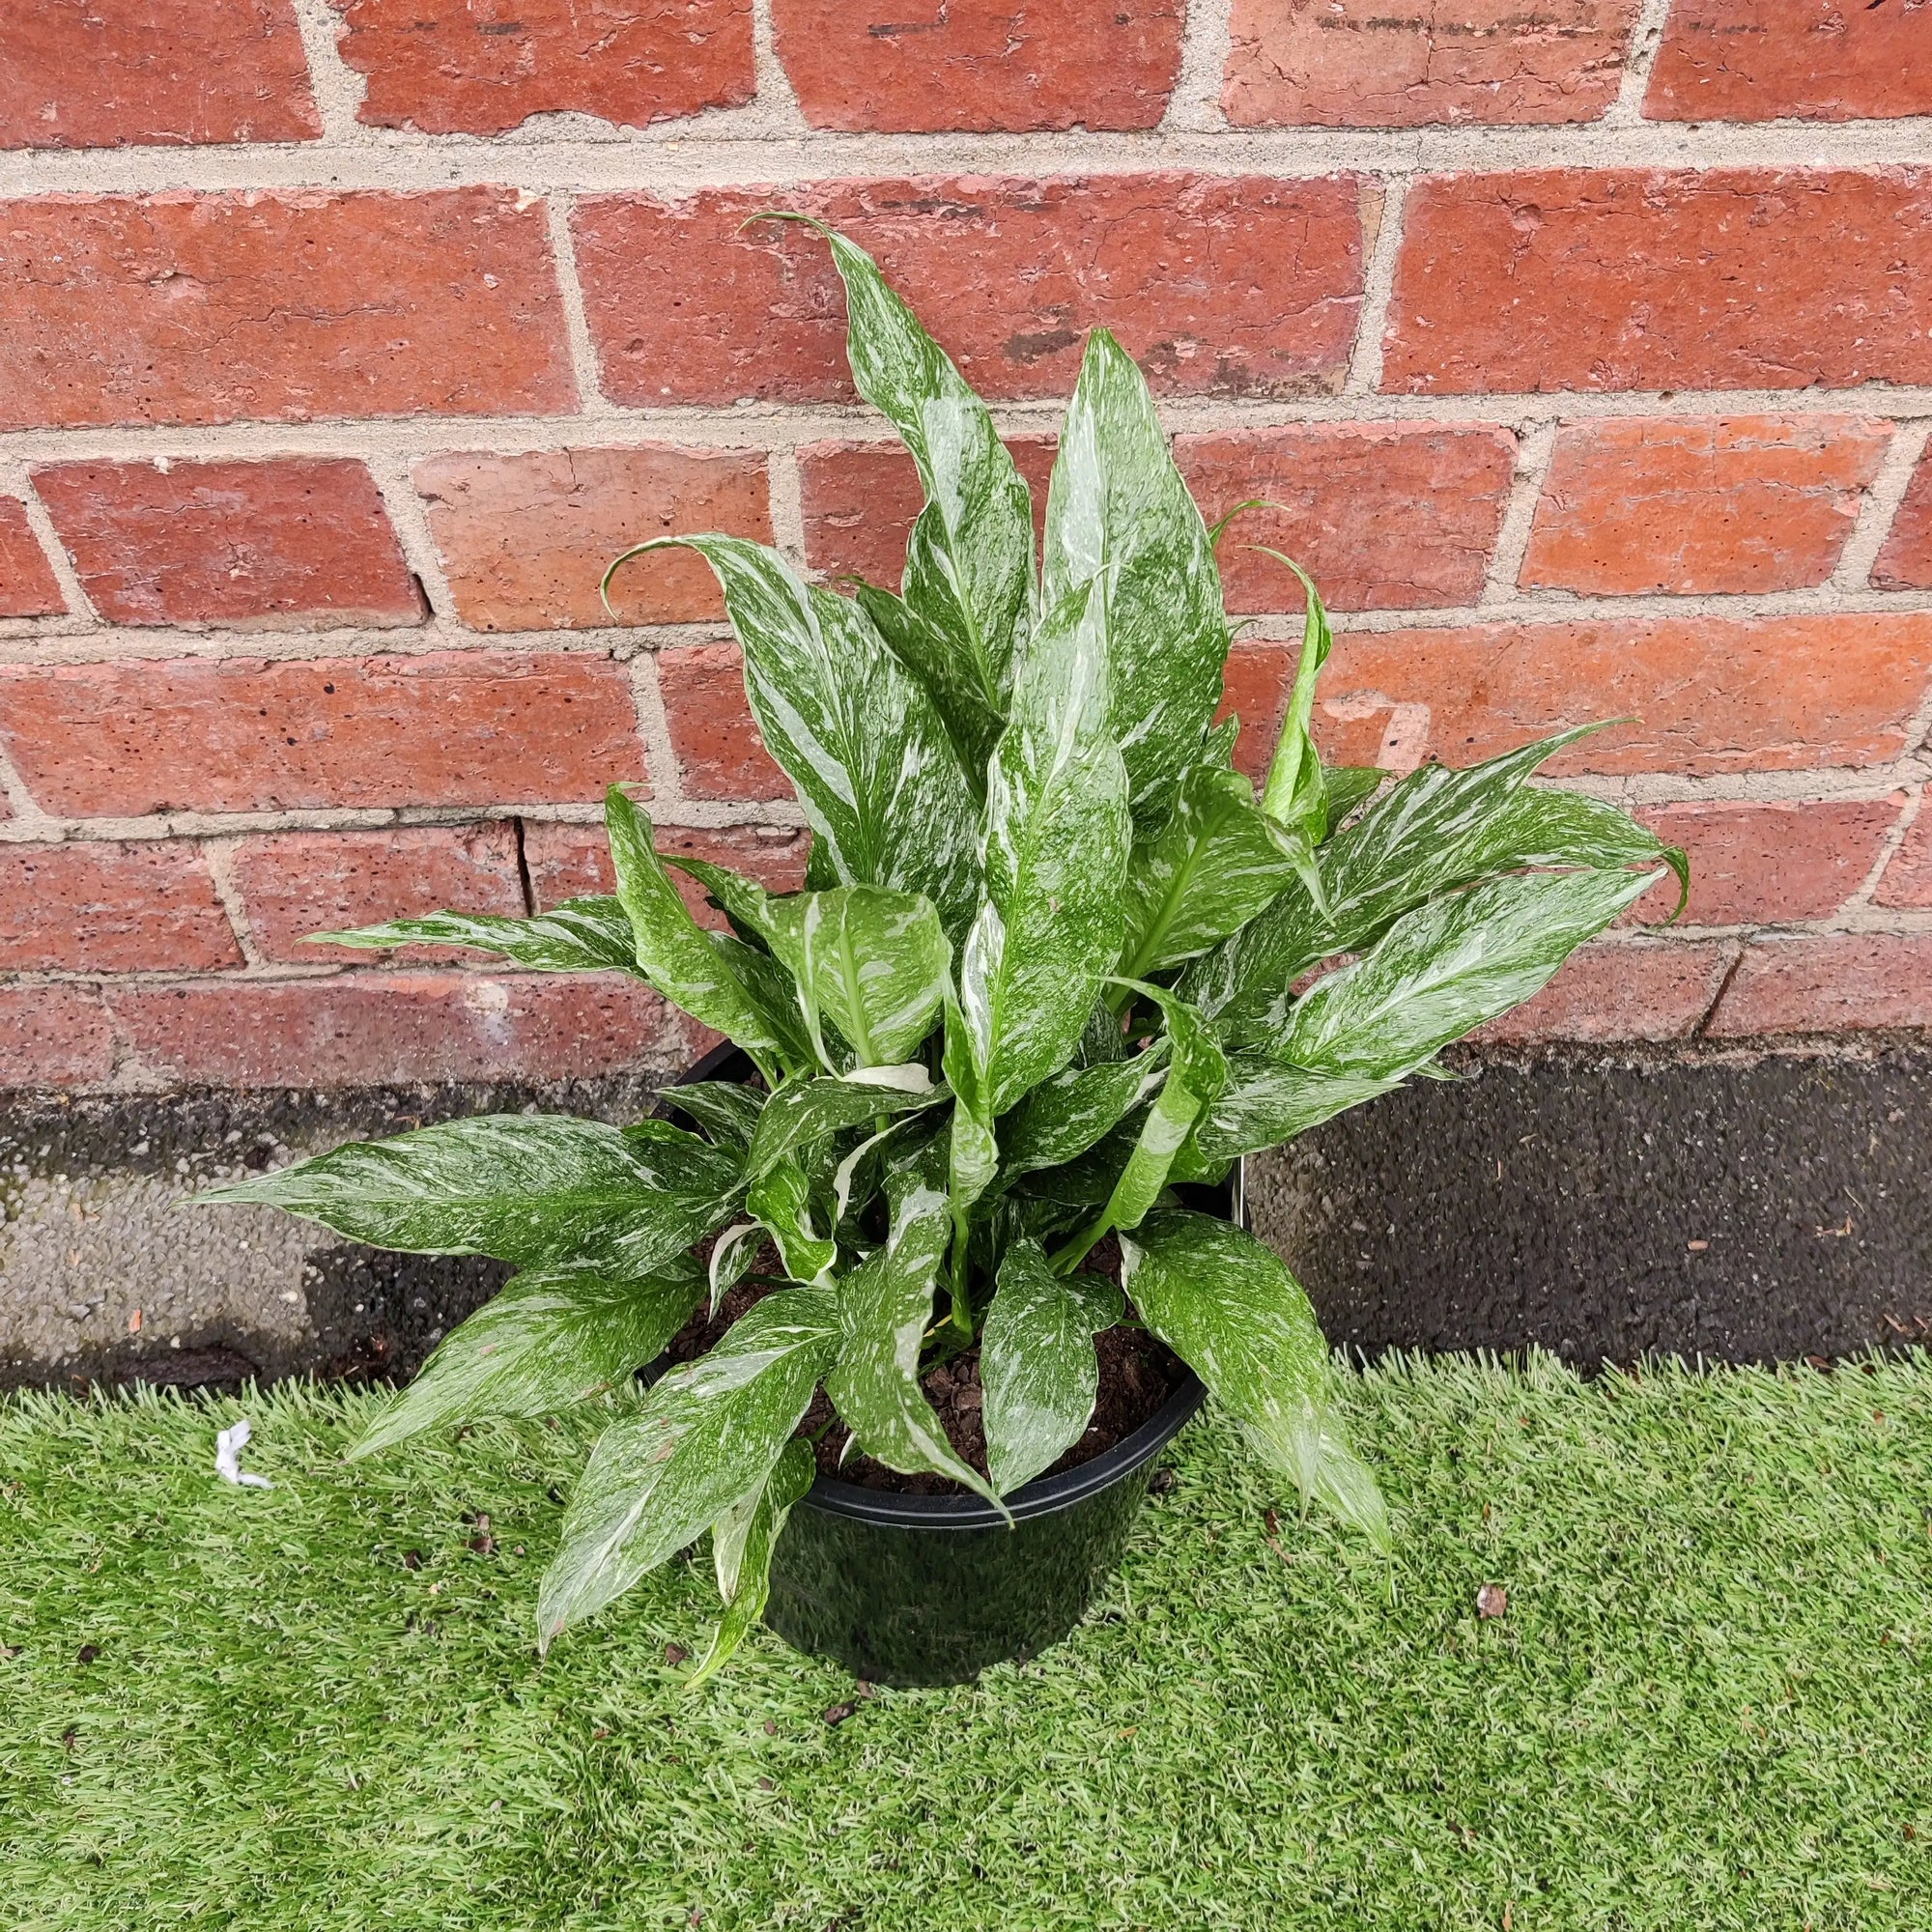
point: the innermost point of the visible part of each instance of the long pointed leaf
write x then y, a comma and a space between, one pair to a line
803, 1111
1229, 1308
586, 935
741, 1542
1119, 517
554, 1336
706, 1436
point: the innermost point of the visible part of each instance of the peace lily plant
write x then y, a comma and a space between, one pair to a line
1048, 964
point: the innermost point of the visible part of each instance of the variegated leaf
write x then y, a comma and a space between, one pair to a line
586, 935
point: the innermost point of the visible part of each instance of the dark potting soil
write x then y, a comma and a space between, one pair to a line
1138, 1373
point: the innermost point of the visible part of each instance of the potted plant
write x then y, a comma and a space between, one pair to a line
935, 1248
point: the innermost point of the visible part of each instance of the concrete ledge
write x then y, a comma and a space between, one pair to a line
1736, 1205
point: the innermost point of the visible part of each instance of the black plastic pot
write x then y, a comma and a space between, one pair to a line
911, 1590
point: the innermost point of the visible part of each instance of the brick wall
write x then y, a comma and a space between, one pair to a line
1587, 347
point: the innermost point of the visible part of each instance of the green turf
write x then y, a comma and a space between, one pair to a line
1708, 1704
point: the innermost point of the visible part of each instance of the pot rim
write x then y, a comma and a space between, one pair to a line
1044, 1495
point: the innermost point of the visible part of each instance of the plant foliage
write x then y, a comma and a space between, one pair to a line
1052, 964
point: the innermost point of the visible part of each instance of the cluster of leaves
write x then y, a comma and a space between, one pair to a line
1042, 972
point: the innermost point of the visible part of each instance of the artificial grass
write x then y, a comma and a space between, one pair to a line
1709, 1703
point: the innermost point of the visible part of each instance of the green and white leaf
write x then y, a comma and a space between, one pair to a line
878, 963
584, 935
554, 1336
781, 1200
806, 1111
1217, 863
706, 1436
1267, 1101
1065, 1116
1055, 855
1234, 1314
741, 1542
950, 676
1120, 518
1295, 792
727, 1110
1037, 1367
742, 900
1448, 967
885, 1307
527, 1188
854, 730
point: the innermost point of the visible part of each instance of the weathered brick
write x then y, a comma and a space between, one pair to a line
252, 734
860, 500
1905, 561
54, 1034
100, 74
1363, 64
1605, 993
718, 751
1836, 983
527, 539
27, 585
294, 883
1764, 865
1218, 285
1907, 881
294, 540
1706, 695
384, 1028
1683, 506
1384, 516
1804, 60
99, 908
1575, 278
284, 305
455, 67
980, 66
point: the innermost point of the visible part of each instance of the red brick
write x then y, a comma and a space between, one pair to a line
293, 541
1218, 285
1605, 993
1618, 279
481, 67
1905, 562
1384, 516
1803, 60
285, 305
1362, 63
54, 1036
252, 734
567, 860
294, 883
1690, 506
1764, 865
1708, 695
980, 66
99, 908
383, 1028
1907, 881
1835, 983
99, 73
527, 539
27, 585
860, 500
718, 751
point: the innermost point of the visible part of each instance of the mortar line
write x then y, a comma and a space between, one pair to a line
1867, 895
220, 856
559, 207
773, 100
1639, 58
1207, 38
409, 517
762, 145
785, 481
17, 478
338, 88
25, 822
1379, 273
664, 774
768, 425
1536, 445
1878, 507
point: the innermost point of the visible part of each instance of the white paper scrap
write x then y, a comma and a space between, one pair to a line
228, 1448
